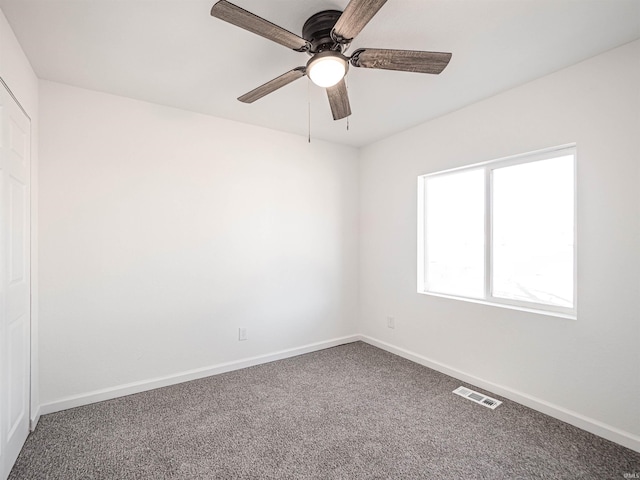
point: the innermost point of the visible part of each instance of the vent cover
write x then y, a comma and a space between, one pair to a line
488, 402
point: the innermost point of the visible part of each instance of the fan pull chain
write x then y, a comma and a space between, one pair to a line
309, 109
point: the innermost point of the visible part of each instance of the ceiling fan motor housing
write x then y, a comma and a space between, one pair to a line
317, 31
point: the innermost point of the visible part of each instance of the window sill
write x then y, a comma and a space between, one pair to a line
548, 313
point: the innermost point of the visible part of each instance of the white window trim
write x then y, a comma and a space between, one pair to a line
489, 299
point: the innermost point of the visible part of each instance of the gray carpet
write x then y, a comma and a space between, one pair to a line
348, 412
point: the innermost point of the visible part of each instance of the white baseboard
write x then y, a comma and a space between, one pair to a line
33, 421
596, 427
137, 387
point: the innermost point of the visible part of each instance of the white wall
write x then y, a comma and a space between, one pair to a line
590, 366
16, 70
163, 231
17, 74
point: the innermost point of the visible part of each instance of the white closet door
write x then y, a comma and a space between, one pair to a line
15, 309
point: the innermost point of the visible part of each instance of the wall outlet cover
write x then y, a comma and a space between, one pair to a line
242, 333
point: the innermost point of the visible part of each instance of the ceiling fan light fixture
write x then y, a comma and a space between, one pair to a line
326, 69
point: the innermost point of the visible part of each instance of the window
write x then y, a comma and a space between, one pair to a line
501, 232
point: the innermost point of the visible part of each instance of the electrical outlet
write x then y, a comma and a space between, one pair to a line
391, 322
242, 333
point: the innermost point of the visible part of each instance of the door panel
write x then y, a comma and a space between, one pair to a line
17, 232
15, 299
17, 399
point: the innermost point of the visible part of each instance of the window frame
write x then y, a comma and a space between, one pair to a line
488, 167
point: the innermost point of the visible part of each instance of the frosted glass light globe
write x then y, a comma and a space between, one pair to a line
327, 68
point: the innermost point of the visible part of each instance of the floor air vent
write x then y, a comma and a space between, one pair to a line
488, 402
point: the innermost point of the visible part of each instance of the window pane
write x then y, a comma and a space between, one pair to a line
533, 231
454, 234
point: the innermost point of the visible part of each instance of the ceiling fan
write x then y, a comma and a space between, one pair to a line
326, 37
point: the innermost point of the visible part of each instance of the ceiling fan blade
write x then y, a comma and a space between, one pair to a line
355, 16
402, 60
273, 85
241, 18
339, 100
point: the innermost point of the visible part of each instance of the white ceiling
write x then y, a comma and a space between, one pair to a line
172, 52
